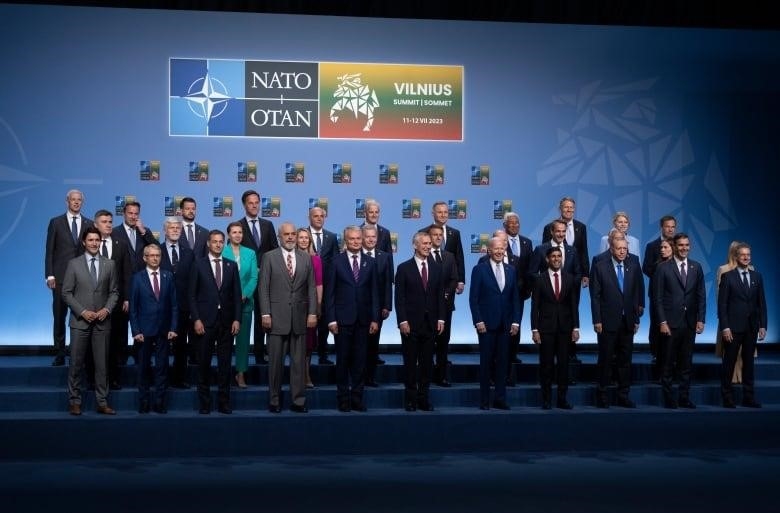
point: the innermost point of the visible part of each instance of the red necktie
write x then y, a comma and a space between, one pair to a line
155, 285
289, 265
424, 273
557, 287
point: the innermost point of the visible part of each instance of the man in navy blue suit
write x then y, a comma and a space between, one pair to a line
385, 274
326, 246
681, 306
215, 309
617, 301
153, 318
495, 312
743, 320
351, 308
195, 235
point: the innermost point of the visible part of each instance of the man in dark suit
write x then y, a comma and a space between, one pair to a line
743, 320
178, 258
89, 288
63, 243
519, 249
135, 237
153, 317
576, 235
495, 312
617, 301
288, 305
449, 278
195, 235
420, 311
260, 236
651, 258
383, 240
351, 306
116, 250
385, 273
555, 322
215, 309
326, 246
680, 302
452, 241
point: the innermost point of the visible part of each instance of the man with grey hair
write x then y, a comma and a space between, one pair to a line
383, 242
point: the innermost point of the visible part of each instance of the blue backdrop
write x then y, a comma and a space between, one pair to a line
652, 121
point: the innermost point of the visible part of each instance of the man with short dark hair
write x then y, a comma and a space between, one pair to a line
326, 246
194, 234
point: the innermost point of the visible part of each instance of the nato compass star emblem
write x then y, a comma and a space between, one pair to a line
207, 97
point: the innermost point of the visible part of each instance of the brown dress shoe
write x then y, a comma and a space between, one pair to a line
74, 409
106, 410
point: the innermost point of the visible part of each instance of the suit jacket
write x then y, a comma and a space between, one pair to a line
449, 276
141, 241
455, 246
496, 308
149, 315
675, 304
607, 255
522, 264
580, 244
181, 273
201, 238
651, 257
413, 302
287, 300
550, 315
212, 305
80, 293
60, 247
329, 248
268, 240
609, 306
346, 301
383, 241
518, 266
124, 268
739, 308
385, 277
247, 274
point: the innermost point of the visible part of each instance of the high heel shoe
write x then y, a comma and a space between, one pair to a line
240, 380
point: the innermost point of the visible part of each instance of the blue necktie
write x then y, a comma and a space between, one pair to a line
255, 233
514, 247
620, 276
74, 230
93, 270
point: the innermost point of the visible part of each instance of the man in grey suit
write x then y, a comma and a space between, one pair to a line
90, 290
288, 305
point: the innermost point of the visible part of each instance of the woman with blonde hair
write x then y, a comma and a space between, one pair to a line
305, 243
621, 222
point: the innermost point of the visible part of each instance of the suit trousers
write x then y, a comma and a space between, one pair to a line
372, 353
514, 343
179, 347
322, 337
620, 344
278, 347
678, 352
351, 342
95, 336
493, 351
417, 350
59, 309
554, 361
159, 347
259, 333
747, 342
118, 350
221, 336
442, 342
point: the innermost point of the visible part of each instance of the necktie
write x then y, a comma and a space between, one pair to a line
570, 233
318, 236
745, 281
683, 274
289, 265
355, 268
437, 256
556, 286
74, 229
255, 233
131, 237
424, 274
93, 269
515, 250
174, 256
218, 272
190, 236
620, 276
155, 285
104, 250
500, 276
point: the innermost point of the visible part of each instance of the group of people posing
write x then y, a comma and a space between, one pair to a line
197, 292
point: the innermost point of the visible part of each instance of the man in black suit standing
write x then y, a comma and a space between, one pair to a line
681, 306
259, 236
617, 301
385, 274
178, 258
651, 258
519, 249
351, 307
577, 237
63, 243
555, 322
215, 308
571, 260
449, 282
326, 246
383, 241
452, 242
743, 320
420, 311
195, 235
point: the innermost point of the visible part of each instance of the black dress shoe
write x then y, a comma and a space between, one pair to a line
410, 406
325, 361
204, 410
729, 403
143, 407
161, 409
58, 361
227, 410
444, 383
297, 408
371, 383
547, 405
274, 408
686, 403
670, 404
517, 360
563, 404
626, 403
344, 407
484, 407
359, 407
114, 385
752, 403
424, 406
500, 405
